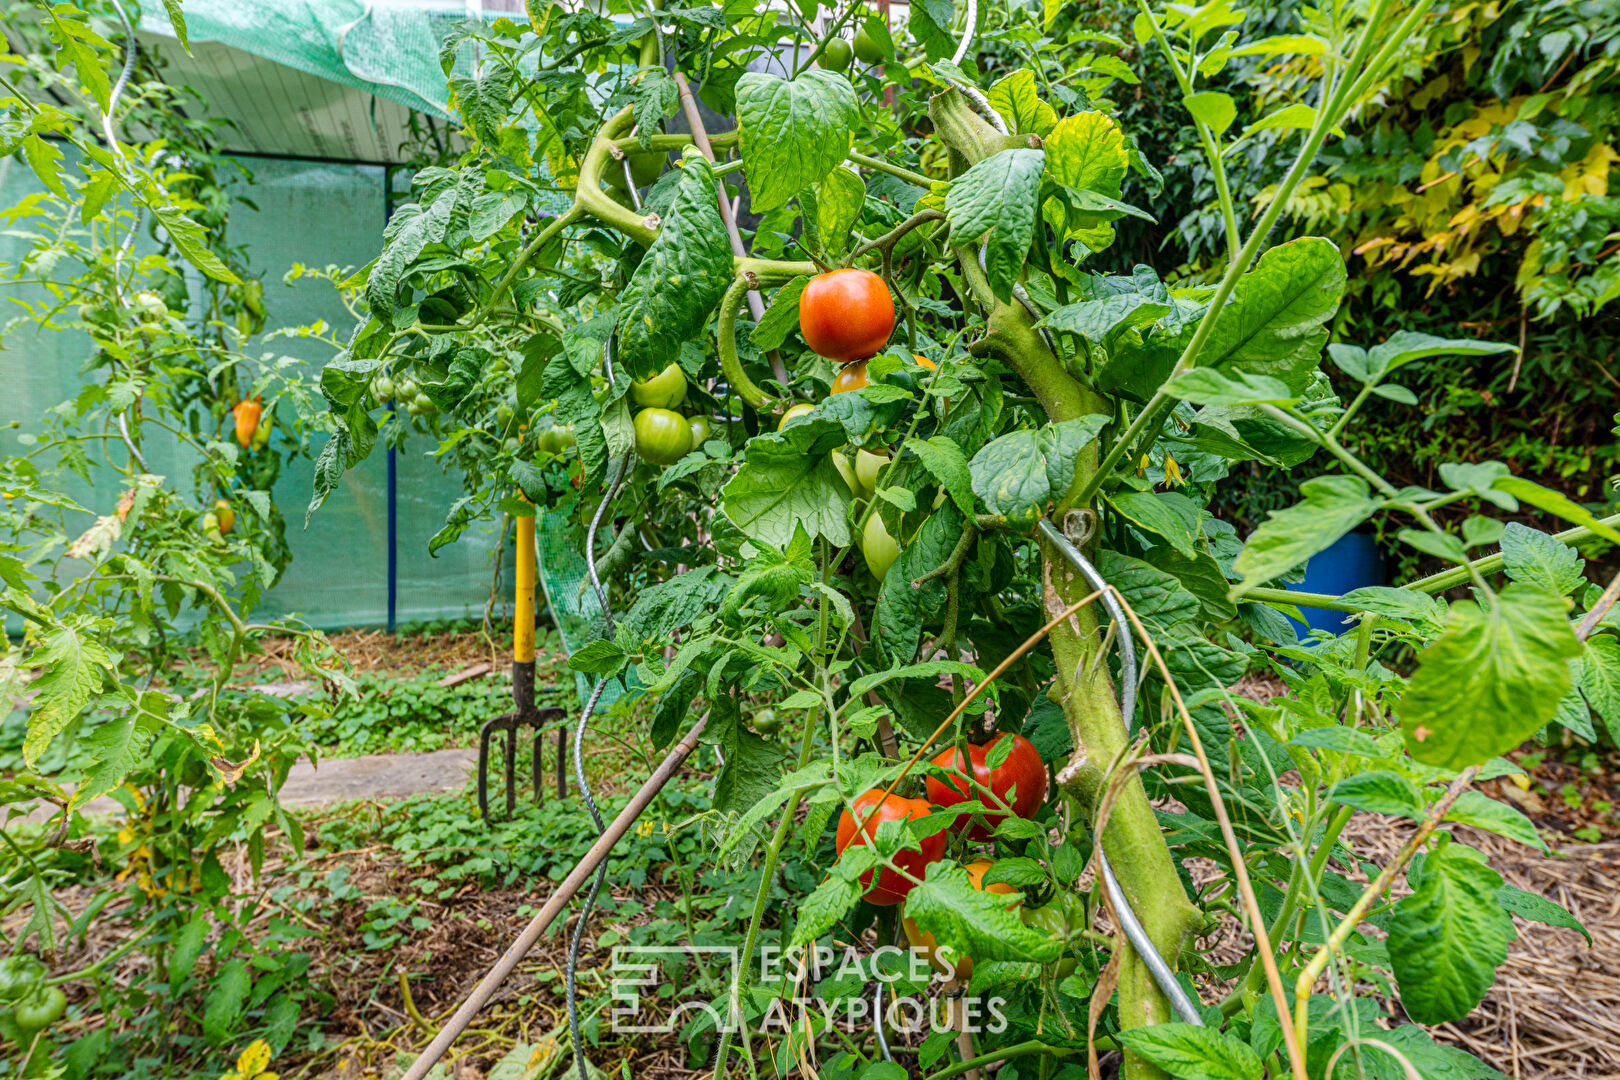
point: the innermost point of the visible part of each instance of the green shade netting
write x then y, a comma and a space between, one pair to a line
390, 49
572, 603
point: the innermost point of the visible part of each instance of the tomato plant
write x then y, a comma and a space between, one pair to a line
1002, 529
138, 536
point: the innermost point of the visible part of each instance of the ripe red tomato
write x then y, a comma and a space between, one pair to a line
889, 888
846, 315
1023, 770
852, 377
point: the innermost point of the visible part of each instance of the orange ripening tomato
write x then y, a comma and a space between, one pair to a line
852, 377
846, 315
873, 809
924, 941
247, 420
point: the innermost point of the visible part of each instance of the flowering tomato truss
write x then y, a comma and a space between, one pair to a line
948, 557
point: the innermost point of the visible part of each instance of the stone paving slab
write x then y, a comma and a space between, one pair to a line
336, 780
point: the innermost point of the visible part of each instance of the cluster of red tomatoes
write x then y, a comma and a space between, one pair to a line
1018, 782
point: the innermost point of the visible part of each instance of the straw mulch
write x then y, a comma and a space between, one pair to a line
1552, 1013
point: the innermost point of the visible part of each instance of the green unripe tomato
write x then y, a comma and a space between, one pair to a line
836, 54
149, 305
663, 437
510, 444
766, 722
646, 166
665, 390
879, 547
700, 430
557, 439
803, 408
210, 524
847, 471
405, 389
424, 405
867, 48
503, 415
1049, 920
40, 1009
19, 976
868, 467
383, 387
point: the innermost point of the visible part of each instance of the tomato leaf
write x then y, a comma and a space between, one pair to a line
191, 241
1528, 905
997, 197
1166, 513
75, 666
1555, 502
902, 610
1600, 679
1099, 321
787, 480
945, 460
117, 746
227, 992
1017, 474
793, 132
781, 318
1483, 812
411, 229
1539, 559
1203, 386
1213, 109
482, 102
680, 279
1492, 680
838, 200
1273, 324
1333, 506
1380, 792
1188, 1050
1157, 597
1447, 938
973, 921
1014, 97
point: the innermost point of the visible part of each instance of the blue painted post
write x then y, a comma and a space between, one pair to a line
393, 555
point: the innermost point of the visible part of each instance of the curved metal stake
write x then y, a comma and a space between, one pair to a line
1134, 931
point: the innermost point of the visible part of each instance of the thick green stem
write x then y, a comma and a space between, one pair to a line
726, 337
1084, 688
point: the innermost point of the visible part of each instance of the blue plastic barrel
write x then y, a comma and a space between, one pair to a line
1352, 562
